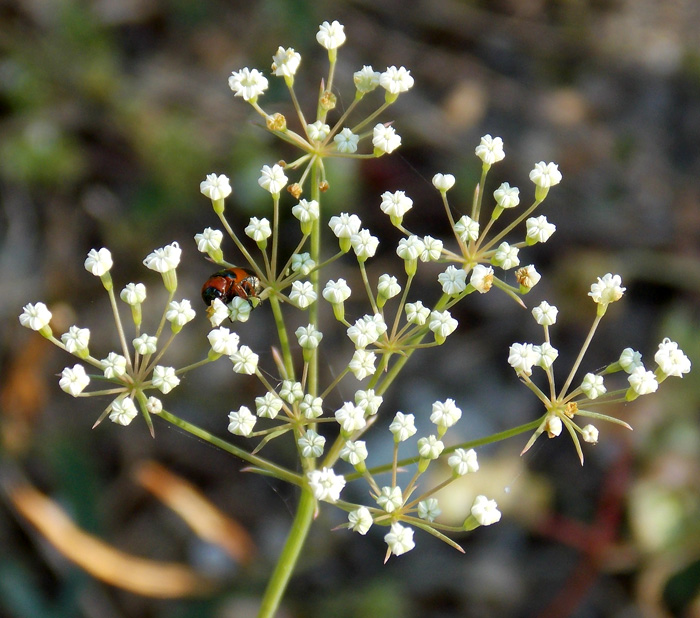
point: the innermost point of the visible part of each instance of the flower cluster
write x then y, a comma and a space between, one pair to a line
135, 370
482, 251
561, 408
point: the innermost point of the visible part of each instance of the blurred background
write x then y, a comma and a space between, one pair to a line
111, 113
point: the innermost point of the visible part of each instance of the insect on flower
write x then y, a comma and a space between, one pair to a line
230, 282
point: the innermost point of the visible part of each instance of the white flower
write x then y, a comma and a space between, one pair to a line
350, 417
258, 229
244, 360
164, 259
307, 211
285, 62
354, 452
268, 406
443, 182
336, 291
545, 175
302, 294
553, 426
445, 413
76, 340
671, 359
246, 83
507, 196
291, 391
462, 461
396, 204
272, 179
442, 324
399, 539
506, 256
366, 79
430, 447
360, 520
395, 80
302, 263
368, 401
417, 313
593, 386
311, 444
388, 286
239, 309
346, 141
114, 366
366, 330
385, 139
453, 281
545, 314
539, 229
241, 422
330, 36
467, 229
390, 499
179, 313
345, 225
364, 244
410, 248
223, 341
123, 411
308, 337
209, 240
490, 150
546, 354
154, 405
215, 187
325, 484
164, 378
311, 407
403, 426
317, 131
432, 249
521, 357
362, 364
133, 294
485, 511
607, 289
145, 344
74, 380
590, 434
630, 359
217, 312
527, 277
481, 278
429, 509
642, 381
98, 262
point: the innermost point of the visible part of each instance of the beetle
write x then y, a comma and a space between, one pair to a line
229, 283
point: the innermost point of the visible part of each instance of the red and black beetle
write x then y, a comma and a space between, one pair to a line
229, 283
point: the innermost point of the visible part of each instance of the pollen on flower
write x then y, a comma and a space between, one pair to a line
366, 79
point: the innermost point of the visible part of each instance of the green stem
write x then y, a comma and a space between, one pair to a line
273, 469
283, 337
289, 556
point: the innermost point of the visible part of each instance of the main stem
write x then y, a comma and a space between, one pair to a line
307, 503
289, 556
